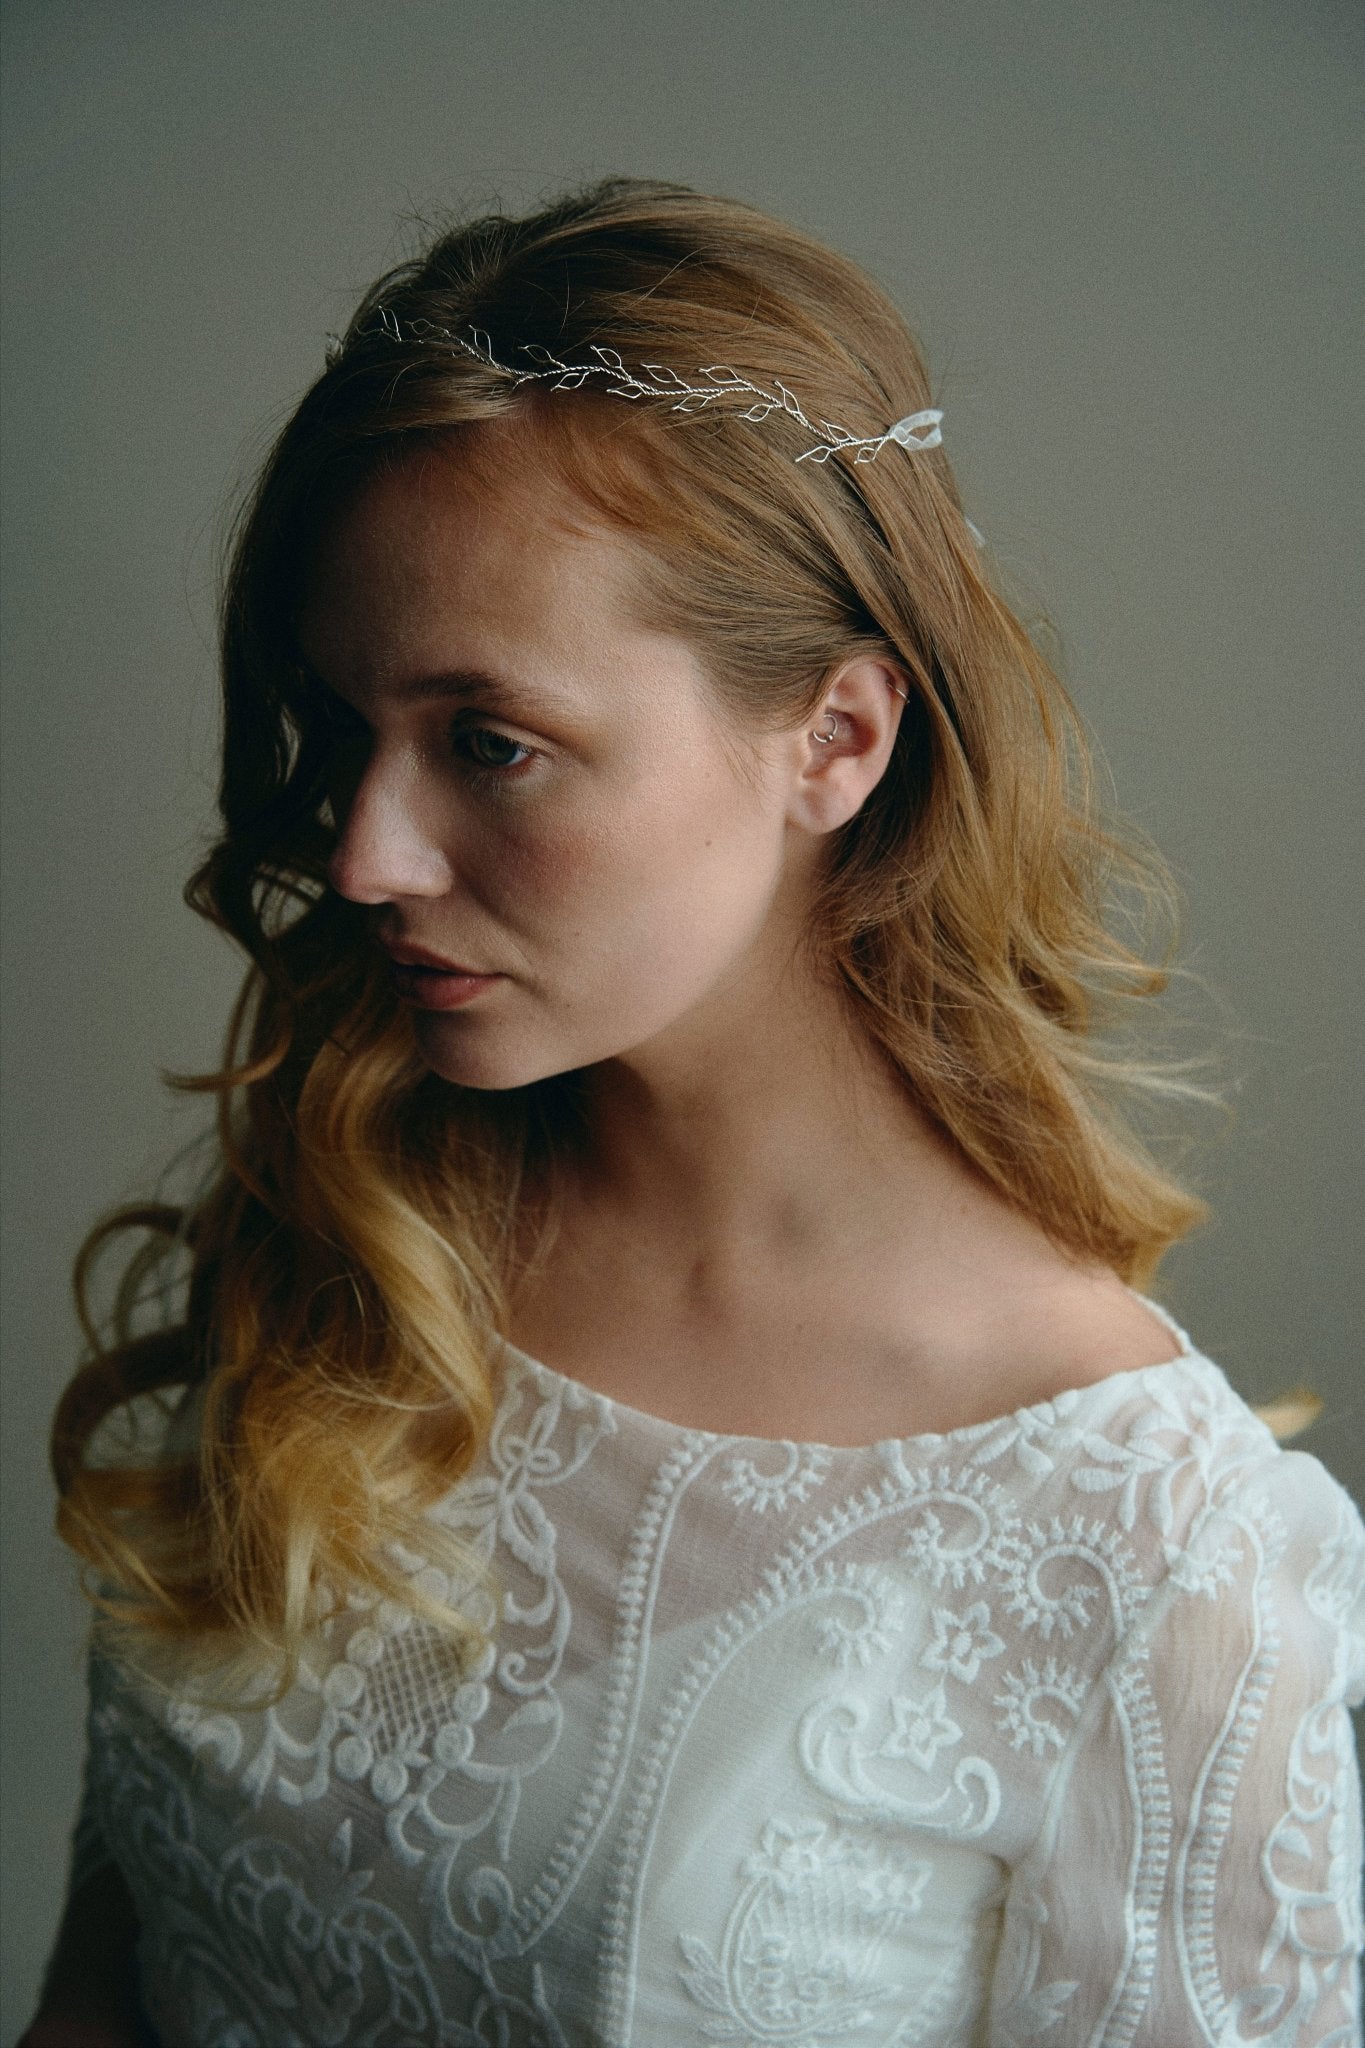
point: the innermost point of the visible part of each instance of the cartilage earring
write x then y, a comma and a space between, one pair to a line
822, 739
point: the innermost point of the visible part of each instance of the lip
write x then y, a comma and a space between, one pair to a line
403, 955
426, 981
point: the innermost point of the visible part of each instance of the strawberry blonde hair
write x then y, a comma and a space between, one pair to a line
348, 1269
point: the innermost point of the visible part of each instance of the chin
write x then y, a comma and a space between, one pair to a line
487, 1060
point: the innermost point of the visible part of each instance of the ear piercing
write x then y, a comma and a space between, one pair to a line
822, 739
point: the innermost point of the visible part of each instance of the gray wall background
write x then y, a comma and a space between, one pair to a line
1129, 235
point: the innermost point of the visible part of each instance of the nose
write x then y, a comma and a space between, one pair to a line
385, 851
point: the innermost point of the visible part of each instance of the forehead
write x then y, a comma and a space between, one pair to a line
436, 559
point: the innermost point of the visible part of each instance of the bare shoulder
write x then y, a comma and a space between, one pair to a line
1075, 1327
1006, 1316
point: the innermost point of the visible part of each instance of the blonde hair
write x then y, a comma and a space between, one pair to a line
350, 1266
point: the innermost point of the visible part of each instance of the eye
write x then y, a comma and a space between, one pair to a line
471, 741
345, 742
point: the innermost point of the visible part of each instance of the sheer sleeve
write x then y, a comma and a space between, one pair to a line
90, 1852
1197, 1876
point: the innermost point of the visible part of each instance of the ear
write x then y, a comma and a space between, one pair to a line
834, 776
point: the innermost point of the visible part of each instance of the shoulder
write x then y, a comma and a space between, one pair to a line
1142, 1431
1210, 1752
1088, 1326
1294, 1543
1247, 1538
1034, 1335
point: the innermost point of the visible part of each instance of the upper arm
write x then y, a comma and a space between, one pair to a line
1197, 1878
90, 1990
91, 1981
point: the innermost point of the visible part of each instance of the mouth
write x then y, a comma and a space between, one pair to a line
404, 955
428, 982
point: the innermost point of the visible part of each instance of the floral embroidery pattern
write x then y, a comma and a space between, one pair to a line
265, 1946
800, 1956
920, 1728
779, 1734
961, 1641
1037, 1436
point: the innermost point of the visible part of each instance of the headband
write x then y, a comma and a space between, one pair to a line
915, 433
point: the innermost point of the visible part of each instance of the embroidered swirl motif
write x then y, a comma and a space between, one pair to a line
802, 1469
398, 1713
264, 1946
774, 1744
864, 1625
1033, 1697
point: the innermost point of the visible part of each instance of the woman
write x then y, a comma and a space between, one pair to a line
674, 1524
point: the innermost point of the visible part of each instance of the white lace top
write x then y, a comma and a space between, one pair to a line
1030, 1732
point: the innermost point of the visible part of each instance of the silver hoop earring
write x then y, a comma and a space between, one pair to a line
822, 739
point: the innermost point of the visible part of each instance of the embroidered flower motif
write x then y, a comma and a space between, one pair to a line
805, 1466
1029, 1689
873, 1630
920, 1728
1036, 1436
801, 1959
962, 1641
788, 1853
1178, 1438
889, 1896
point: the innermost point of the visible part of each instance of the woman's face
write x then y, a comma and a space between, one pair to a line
535, 786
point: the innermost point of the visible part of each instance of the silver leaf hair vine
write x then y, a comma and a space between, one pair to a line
916, 432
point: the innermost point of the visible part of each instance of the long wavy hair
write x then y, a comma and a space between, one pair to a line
346, 1274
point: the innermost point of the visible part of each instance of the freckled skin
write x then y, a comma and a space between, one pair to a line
628, 875
758, 1192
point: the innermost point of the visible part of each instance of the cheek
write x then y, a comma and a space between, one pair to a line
619, 921
648, 901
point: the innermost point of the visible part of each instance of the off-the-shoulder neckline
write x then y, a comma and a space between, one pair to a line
1045, 1410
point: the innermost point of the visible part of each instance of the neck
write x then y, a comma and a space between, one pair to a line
758, 1137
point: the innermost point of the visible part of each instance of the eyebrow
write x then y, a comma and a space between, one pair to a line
475, 683
458, 682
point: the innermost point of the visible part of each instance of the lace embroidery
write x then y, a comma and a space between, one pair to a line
739, 1693
1295, 1965
1027, 2011
1037, 1436
266, 1946
1029, 1694
804, 1467
802, 1951
961, 1641
879, 1611
920, 1728
1110, 1569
